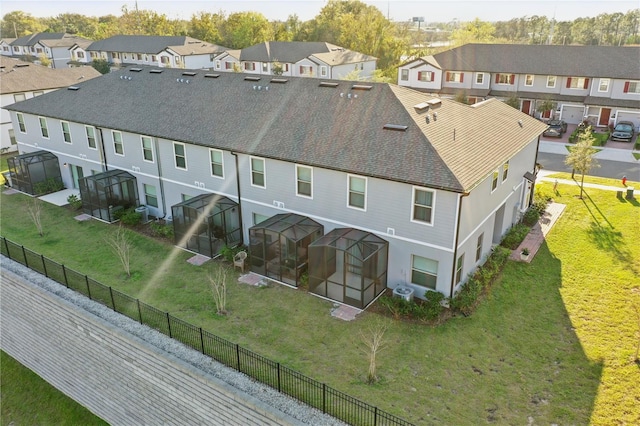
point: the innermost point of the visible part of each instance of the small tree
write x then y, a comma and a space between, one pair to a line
35, 213
101, 65
461, 97
277, 68
44, 61
513, 101
373, 343
580, 156
219, 290
121, 246
545, 105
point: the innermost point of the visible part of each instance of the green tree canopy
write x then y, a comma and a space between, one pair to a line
245, 29
17, 24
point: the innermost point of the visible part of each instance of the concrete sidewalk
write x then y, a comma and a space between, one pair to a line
542, 177
539, 231
612, 154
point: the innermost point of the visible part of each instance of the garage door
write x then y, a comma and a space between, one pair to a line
633, 117
572, 114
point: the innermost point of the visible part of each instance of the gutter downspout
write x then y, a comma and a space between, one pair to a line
102, 151
160, 181
239, 203
455, 245
536, 169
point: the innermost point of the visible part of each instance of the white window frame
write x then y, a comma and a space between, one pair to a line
528, 82
299, 181
505, 171
21, 126
425, 76
323, 71
117, 142
265, 67
454, 77
495, 179
66, 134
218, 64
257, 218
221, 164
148, 194
551, 81
263, 172
176, 156
424, 272
19, 97
404, 74
145, 149
414, 205
504, 79
479, 244
634, 87
349, 191
459, 268
44, 127
577, 83
95, 140
604, 82
480, 78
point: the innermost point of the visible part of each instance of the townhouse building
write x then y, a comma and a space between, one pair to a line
20, 80
358, 186
54, 46
298, 59
597, 84
159, 51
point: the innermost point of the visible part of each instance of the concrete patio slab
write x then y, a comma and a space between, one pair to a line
198, 259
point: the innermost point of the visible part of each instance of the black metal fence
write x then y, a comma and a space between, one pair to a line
271, 373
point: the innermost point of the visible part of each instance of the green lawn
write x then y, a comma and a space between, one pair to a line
29, 400
593, 179
554, 341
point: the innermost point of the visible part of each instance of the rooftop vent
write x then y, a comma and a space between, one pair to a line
328, 84
397, 127
361, 87
73, 88
135, 69
434, 102
422, 107
189, 73
155, 71
20, 65
252, 78
279, 80
212, 75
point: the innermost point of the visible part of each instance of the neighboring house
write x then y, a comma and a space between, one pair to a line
21, 80
54, 46
299, 59
159, 51
365, 186
600, 84
5, 46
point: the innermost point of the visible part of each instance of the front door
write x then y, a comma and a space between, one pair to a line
76, 174
605, 113
526, 107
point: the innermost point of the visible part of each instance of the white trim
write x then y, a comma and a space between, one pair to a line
62, 128
221, 163
175, 163
113, 139
95, 138
349, 176
142, 137
46, 126
555, 81
532, 80
413, 204
264, 171
478, 74
19, 114
310, 182
608, 80
497, 180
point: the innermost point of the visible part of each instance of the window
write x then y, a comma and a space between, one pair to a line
455, 77
265, 67
323, 71
257, 172
217, 167
164, 59
494, 180
459, 265
218, 64
154, 58
426, 76
43, 127
180, 155
249, 66
91, 136
551, 81
118, 146
631, 87
228, 65
185, 197
577, 83
423, 205
66, 132
20, 117
80, 55
17, 97
357, 192
505, 171
306, 70
480, 78
424, 272
5, 48
528, 80
404, 75
257, 218
604, 85
304, 177
285, 67
150, 196
38, 93
147, 148
505, 78
479, 247
115, 55
139, 56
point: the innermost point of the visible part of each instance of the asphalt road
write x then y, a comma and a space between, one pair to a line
608, 169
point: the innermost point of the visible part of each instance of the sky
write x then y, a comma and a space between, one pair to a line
396, 10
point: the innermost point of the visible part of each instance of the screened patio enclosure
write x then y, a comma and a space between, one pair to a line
206, 223
349, 266
35, 173
104, 194
278, 246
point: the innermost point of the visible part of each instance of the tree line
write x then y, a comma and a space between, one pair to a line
348, 23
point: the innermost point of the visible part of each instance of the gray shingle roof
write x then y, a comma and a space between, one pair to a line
581, 61
294, 51
28, 76
151, 44
32, 39
303, 122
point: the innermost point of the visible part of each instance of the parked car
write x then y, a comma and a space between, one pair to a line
623, 132
556, 129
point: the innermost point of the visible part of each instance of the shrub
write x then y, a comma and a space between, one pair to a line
425, 310
48, 186
128, 216
514, 236
74, 201
531, 216
228, 253
161, 230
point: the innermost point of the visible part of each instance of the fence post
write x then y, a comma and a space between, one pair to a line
6, 245
375, 415
279, 377
238, 355
201, 340
64, 272
139, 311
169, 324
44, 266
113, 302
24, 254
86, 280
324, 398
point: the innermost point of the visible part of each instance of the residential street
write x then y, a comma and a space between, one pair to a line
608, 168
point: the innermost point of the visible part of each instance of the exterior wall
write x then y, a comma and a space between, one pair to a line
413, 81
572, 113
198, 61
466, 83
315, 70
337, 72
564, 90
115, 374
60, 57
617, 91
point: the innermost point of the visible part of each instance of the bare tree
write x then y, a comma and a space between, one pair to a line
121, 245
219, 290
580, 157
373, 343
35, 212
